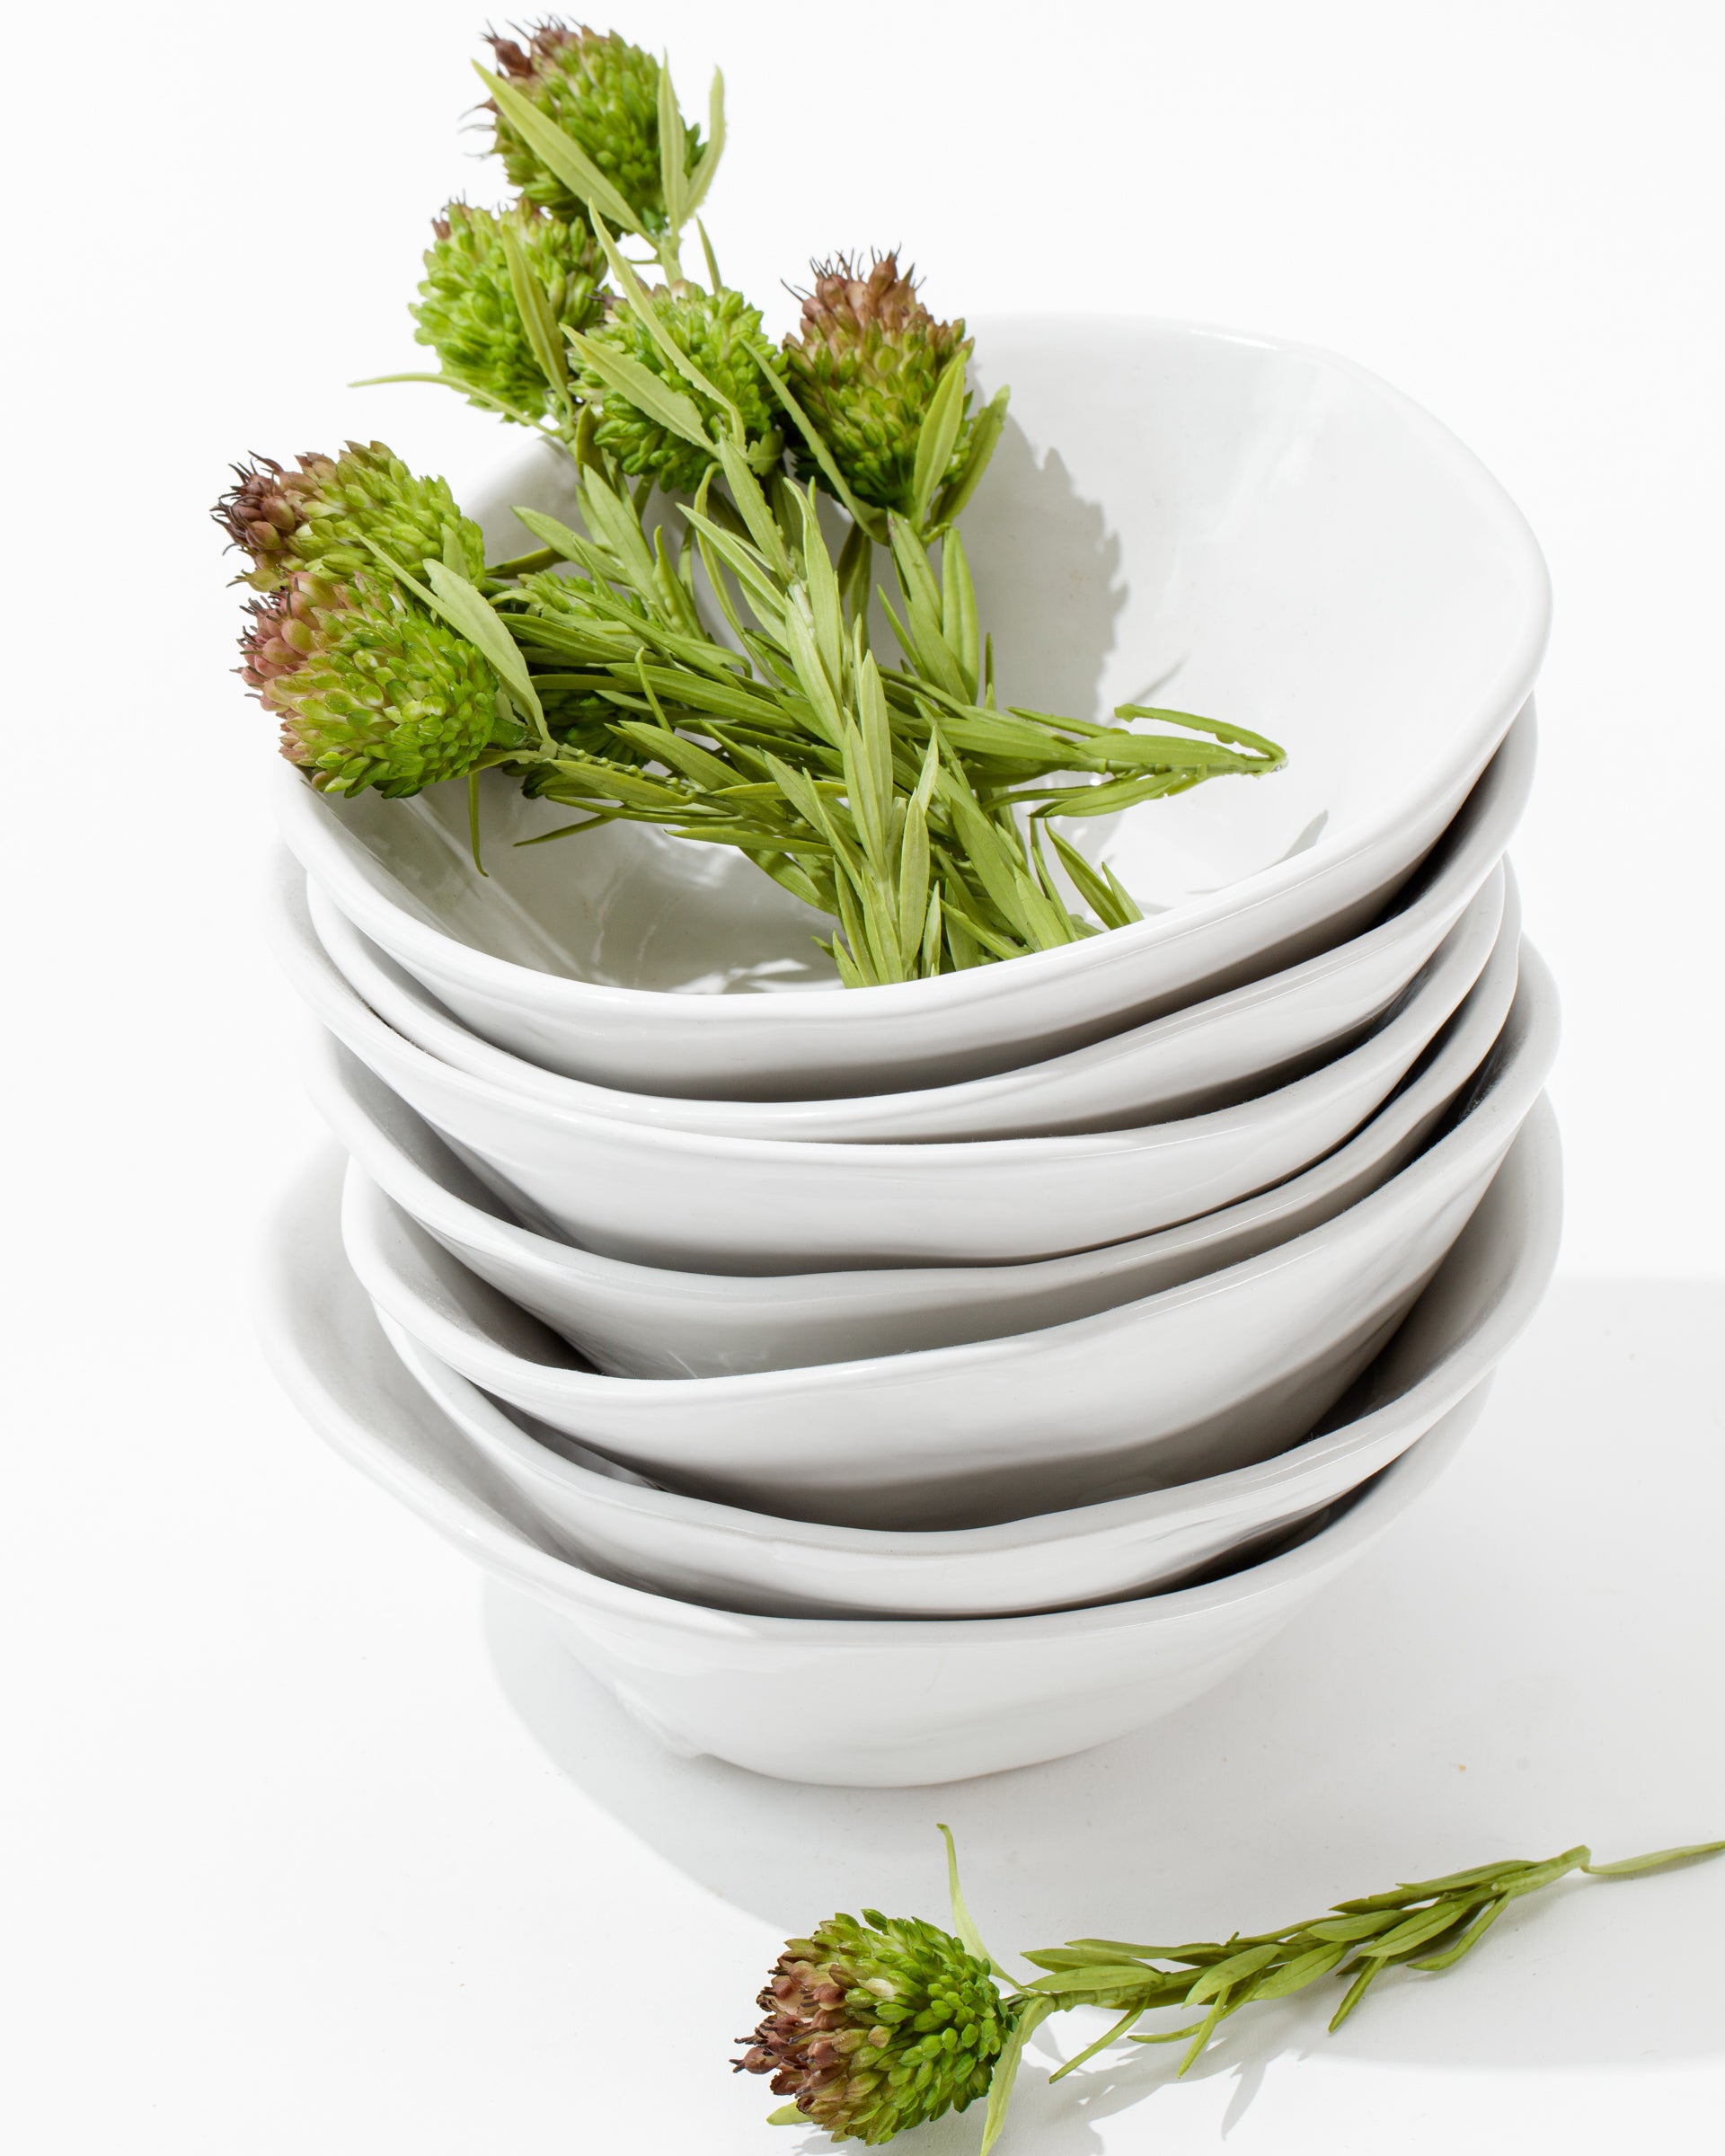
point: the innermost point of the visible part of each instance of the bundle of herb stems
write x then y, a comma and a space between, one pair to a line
697, 656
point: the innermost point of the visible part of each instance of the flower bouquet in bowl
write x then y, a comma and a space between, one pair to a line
695, 651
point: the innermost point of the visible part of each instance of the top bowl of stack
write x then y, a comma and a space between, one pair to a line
1263, 534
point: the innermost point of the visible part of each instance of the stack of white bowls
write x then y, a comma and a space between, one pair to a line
886, 1386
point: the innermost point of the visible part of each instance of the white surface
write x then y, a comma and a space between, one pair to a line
290, 1871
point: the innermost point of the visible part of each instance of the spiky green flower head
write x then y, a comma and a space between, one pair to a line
603, 93
322, 516
873, 2027
721, 334
370, 689
467, 312
863, 365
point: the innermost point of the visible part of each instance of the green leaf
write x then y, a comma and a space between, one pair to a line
1296, 1975
1416, 1930
707, 165
1356, 1991
545, 334
1364, 1924
1423, 1890
1100, 889
1238, 735
467, 389
964, 1925
1543, 1875
624, 374
1476, 1931
1202, 2035
958, 626
1223, 1975
566, 545
714, 278
937, 436
871, 520
640, 302
824, 601
471, 614
999, 2088
1107, 2036
1104, 1976
787, 2115
673, 152
912, 876
985, 435
559, 153
752, 508
1626, 1868
1168, 2035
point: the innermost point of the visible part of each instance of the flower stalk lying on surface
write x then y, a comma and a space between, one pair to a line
698, 653
877, 2026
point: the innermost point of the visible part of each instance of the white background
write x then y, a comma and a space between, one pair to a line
308, 1855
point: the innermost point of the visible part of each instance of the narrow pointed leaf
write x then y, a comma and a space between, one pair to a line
938, 435
544, 335
1626, 1868
999, 2088
702, 178
625, 374
673, 152
558, 152
985, 437
471, 614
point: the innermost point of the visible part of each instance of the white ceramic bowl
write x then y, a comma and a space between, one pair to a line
1220, 523
629, 1529
1207, 1056
1218, 1372
640, 1321
691, 1199
847, 1700
1438, 1364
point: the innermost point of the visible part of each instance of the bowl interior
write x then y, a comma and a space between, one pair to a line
1175, 515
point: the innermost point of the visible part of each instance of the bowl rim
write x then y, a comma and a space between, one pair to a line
1511, 1097
507, 1553
1481, 847
322, 986
301, 810
329, 1062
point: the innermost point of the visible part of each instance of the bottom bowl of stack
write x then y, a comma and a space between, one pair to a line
885, 1702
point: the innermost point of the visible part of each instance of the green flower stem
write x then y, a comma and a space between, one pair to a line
1427, 1925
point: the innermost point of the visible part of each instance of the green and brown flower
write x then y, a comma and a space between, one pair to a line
330, 513
864, 364
873, 2027
371, 690
603, 93
467, 310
